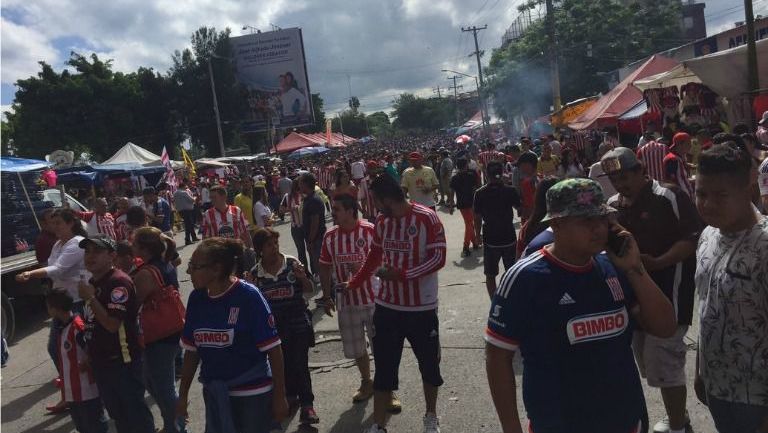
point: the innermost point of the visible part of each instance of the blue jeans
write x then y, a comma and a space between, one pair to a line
301, 247
732, 417
53, 336
160, 379
88, 416
251, 414
122, 391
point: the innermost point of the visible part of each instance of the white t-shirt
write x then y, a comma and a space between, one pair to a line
205, 195
358, 170
261, 213
66, 265
289, 98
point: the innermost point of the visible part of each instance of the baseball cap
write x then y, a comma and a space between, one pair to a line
618, 159
576, 197
764, 120
414, 156
528, 157
680, 137
100, 241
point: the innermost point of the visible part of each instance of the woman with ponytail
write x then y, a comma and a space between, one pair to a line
231, 333
153, 275
283, 281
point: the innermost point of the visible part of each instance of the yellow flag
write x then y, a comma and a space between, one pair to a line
188, 163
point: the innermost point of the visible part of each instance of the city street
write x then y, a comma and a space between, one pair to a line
464, 404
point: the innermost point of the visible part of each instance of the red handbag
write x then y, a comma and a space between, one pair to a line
162, 313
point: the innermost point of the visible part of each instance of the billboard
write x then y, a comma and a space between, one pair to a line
272, 74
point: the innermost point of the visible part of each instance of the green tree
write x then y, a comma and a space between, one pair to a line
430, 114
594, 37
190, 72
91, 109
352, 123
317, 107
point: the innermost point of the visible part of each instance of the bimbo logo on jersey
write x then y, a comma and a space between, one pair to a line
214, 337
396, 245
598, 326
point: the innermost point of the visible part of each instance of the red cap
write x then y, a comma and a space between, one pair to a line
414, 156
680, 137
372, 164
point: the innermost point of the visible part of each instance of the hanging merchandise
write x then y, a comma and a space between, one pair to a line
690, 93
707, 101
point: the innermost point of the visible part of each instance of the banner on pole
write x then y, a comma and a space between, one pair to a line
328, 125
272, 73
188, 163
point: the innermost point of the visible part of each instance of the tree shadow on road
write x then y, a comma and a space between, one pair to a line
352, 419
51, 419
16, 408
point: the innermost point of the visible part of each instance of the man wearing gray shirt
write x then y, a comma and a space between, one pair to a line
283, 187
185, 204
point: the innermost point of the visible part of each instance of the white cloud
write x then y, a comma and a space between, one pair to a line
386, 46
22, 48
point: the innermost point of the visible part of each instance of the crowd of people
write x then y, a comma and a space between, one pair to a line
598, 286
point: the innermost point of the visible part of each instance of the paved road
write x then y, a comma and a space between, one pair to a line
464, 405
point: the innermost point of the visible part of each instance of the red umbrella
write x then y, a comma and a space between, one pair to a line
463, 139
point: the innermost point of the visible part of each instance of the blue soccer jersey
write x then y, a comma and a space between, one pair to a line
232, 333
572, 326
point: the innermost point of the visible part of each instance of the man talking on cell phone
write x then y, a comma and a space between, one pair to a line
570, 310
665, 224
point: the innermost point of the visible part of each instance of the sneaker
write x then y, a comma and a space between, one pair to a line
375, 429
364, 392
663, 425
431, 423
308, 416
465, 252
394, 406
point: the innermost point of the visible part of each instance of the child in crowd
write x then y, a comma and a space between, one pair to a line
78, 385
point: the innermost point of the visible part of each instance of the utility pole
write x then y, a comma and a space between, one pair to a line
455, 96
752, 74
216, 109
477, 53
553, 66
437, 90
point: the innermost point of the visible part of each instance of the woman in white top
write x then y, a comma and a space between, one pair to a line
65, 268
262, 214
569, 167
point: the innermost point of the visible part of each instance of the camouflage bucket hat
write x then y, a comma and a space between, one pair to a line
576, 197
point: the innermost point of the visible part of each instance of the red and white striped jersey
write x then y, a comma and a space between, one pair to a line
98, 224
228, 224
414, 246
325, 176
652, 155
78, 385
293, 203
120, 228
346, 251
366, 198
488, 156
676, 173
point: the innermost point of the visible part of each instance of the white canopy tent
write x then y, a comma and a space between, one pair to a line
725, 72
133, 154
678, 76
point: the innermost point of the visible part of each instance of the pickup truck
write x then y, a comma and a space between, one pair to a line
14, 292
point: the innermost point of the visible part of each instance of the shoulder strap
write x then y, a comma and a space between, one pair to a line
155, 273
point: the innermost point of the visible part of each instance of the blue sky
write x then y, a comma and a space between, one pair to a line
386, 47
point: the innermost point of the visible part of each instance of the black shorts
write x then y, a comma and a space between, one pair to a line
492, 255
391, 328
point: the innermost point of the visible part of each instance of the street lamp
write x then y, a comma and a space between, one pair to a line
251, 28
480, 99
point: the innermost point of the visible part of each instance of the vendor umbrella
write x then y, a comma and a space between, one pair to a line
307, 151
463, 139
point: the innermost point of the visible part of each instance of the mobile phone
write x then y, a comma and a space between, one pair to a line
617, 244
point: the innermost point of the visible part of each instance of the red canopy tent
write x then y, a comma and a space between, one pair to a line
607, 109
297, 140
